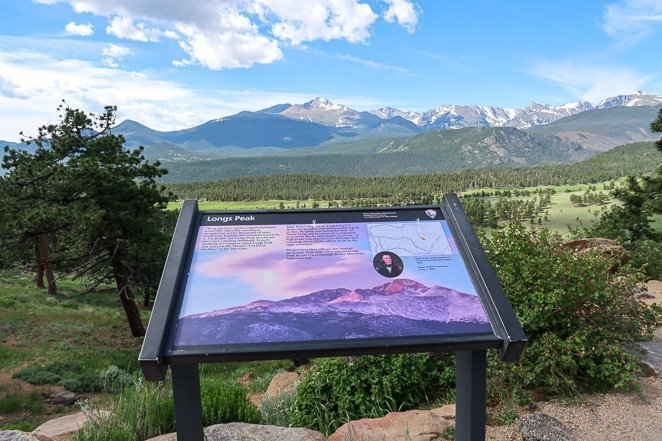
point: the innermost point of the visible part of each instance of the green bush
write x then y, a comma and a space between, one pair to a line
647, 254
224, 401
336, 390
575, 312
37, 375
23, 426
277, 410
77, 377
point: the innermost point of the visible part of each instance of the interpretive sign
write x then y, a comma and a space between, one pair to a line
315, 276
310, 283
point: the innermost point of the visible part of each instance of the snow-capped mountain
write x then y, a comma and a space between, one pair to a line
452, 116
390, 112
399, 308
323, 111
636, 99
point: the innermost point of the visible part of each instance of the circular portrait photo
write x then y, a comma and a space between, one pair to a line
388, 264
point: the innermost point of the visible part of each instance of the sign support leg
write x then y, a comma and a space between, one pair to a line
470, 390
188, 407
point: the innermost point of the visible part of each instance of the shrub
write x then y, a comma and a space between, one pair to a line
336, 390
277, 410
37, 375
115, 379
224, 401
576, 314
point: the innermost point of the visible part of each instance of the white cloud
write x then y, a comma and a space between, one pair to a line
371, 64
591, 82
227, 49
9, 89
33, 83
125, 28
113, 54
402, 12
223, 34
84, 30
298, 21
631, 20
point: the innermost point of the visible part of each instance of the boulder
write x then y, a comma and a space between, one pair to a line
542, 427
16, 435
61, 426
607, 247
65, 397
414, 425
649, 355
252, 432
447, 411
284, 382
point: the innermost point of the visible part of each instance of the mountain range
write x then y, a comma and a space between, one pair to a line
398, 308
267, 141
320, 122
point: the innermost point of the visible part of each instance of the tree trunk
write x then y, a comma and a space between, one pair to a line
39, 267
146, 298
126, 297
46, 262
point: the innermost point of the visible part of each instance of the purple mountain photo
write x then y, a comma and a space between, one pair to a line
399, 308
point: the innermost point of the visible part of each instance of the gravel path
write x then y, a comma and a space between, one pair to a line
614, 416
624, 416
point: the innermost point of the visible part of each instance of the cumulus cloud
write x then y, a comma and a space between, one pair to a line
223, 34
632, 20
84, 30
34, 81
113, 54
126, 28
591, 82
402, 12
298, 21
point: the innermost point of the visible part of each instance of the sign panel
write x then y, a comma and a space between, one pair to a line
324, 276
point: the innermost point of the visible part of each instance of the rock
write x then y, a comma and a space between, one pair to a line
252, 432
61, 426
650, 358
16, 435
607, 247
541, 427
246, 379
447, 411
284, 382
414, 425
65, 397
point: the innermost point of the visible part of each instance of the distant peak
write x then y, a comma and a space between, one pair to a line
400, 285
323, 104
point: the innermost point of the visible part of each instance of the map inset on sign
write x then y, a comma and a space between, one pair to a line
409, 238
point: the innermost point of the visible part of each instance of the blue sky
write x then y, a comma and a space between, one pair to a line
172, 64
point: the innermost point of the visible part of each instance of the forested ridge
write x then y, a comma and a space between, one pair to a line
621, 161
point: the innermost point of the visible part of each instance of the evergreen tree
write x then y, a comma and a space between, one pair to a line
101, 198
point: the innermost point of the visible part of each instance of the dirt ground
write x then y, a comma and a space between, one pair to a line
625, 416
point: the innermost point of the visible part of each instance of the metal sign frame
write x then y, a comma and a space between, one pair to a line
508, 337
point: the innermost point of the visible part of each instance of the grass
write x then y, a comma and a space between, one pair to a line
79, 341
271, 204
561, 213
37, 328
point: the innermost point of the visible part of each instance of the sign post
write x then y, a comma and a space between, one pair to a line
260, 285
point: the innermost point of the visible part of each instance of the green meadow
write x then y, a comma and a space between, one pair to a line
561, 213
